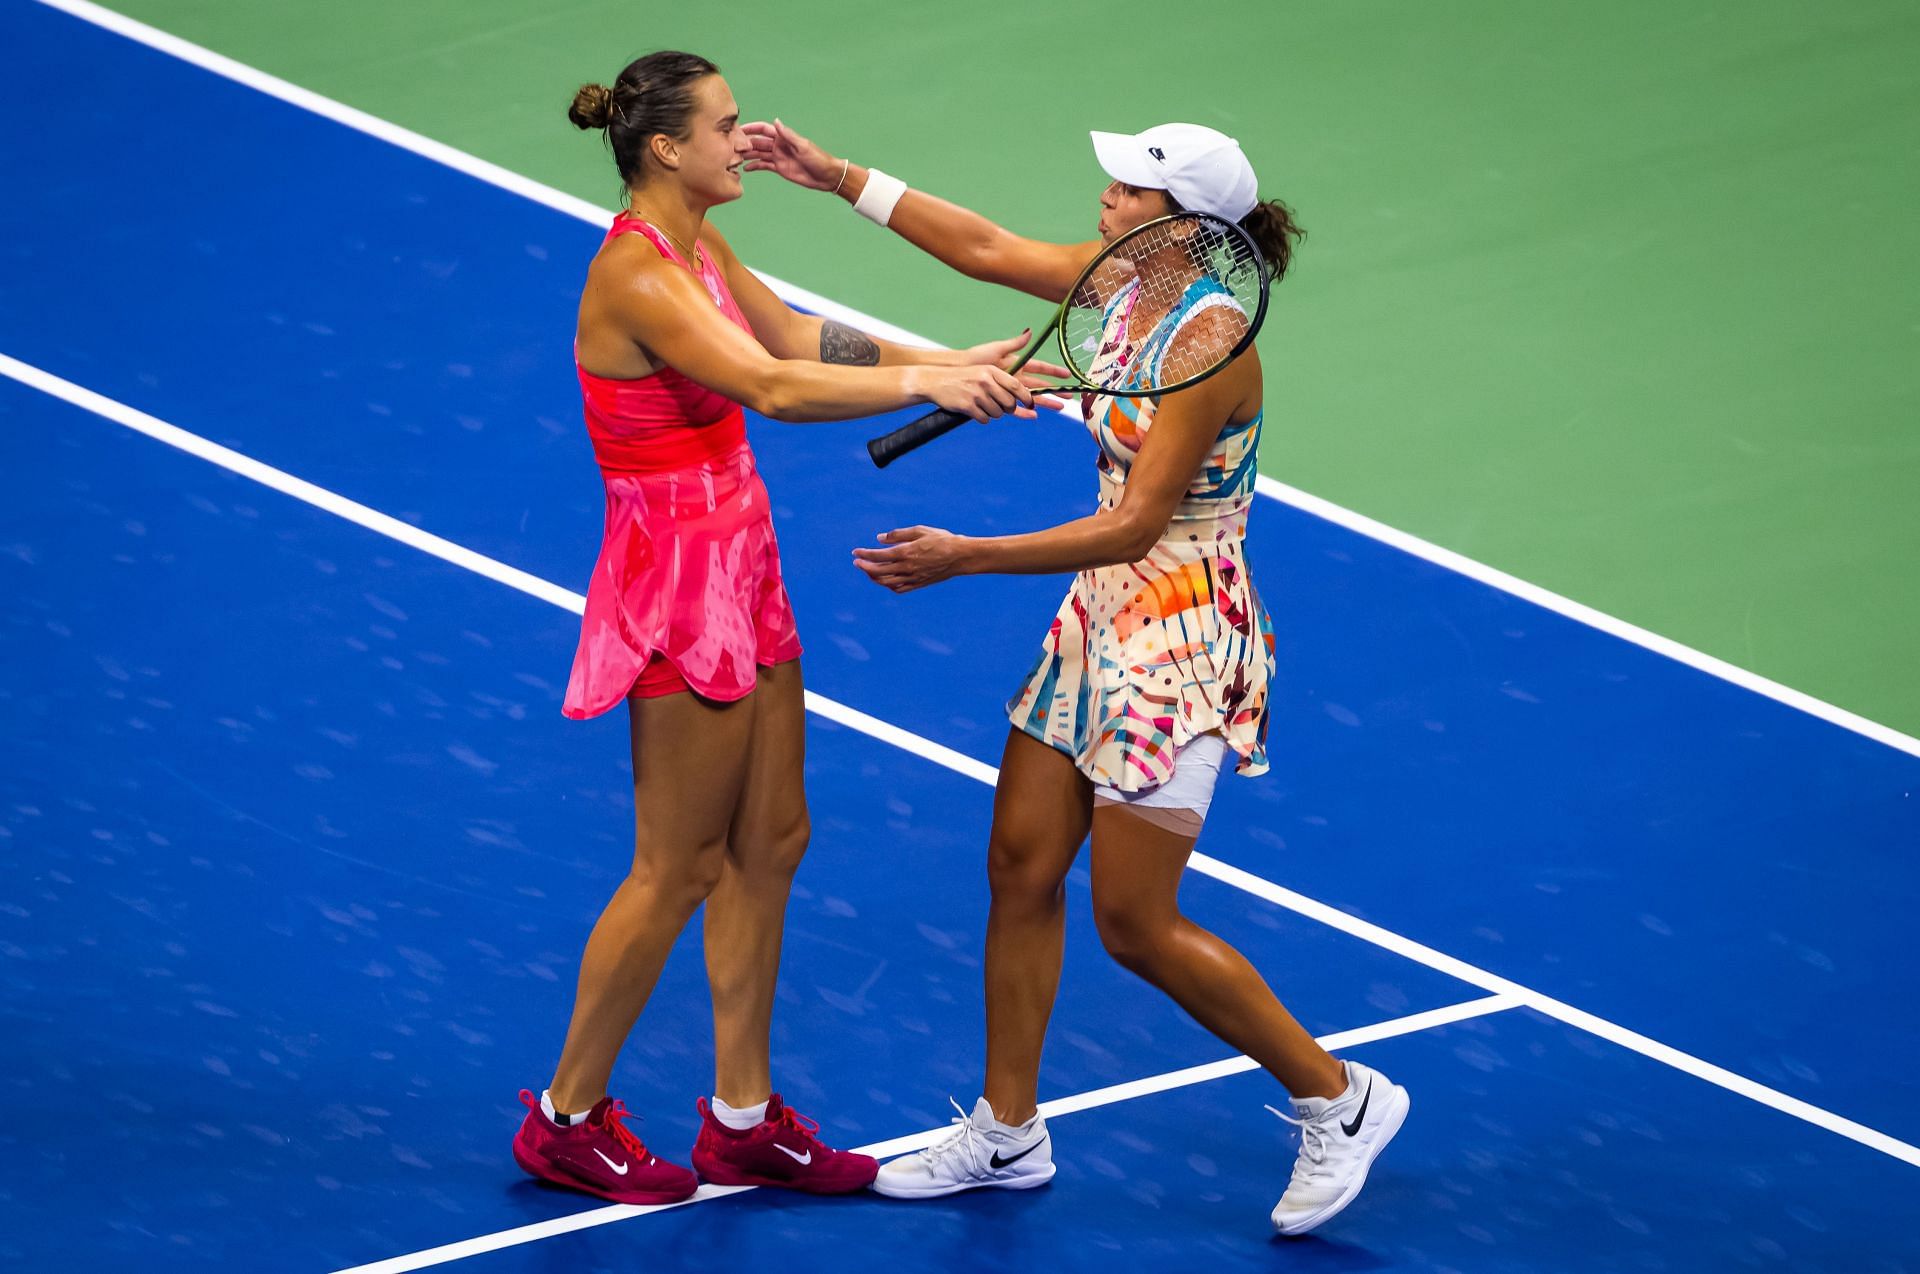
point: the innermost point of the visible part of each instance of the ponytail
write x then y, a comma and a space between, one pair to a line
1274, 232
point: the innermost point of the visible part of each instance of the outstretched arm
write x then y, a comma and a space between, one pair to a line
788, 333
1185, 427
664, 309
957, 236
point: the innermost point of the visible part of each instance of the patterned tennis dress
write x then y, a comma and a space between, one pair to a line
1144, 657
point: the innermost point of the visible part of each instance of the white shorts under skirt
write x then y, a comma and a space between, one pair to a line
1196, 769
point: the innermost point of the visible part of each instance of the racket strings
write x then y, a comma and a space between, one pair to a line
1163, 305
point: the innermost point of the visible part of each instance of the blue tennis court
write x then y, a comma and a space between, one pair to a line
302, 852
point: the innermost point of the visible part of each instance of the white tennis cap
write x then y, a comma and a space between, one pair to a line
1202, 168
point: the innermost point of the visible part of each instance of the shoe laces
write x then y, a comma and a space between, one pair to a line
807, 1128
617, 1113
1312, 1162
964, 1139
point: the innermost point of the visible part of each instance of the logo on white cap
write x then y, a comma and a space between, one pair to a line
1202, 168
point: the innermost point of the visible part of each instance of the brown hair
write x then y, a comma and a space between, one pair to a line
1271, 227
1274, 231
653, 95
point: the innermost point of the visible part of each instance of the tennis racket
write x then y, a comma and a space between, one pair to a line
1164, 306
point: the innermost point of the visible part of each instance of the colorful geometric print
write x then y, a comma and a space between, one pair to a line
1144, 657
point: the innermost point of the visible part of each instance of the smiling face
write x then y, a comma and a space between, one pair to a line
1123, 207
709, 157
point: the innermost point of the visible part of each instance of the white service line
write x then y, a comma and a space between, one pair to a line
960, 763
285, 483
585, 210
1546, 1005
914, 1141
433, 545
1240, 1064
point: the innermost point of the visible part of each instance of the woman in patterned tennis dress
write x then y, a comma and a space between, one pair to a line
1155, 670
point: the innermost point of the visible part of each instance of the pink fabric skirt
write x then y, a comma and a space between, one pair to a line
689, 570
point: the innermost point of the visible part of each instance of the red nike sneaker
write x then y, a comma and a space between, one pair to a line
782, 1150
597, 1156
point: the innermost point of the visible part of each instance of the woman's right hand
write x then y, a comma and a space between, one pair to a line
979, 390
777, 148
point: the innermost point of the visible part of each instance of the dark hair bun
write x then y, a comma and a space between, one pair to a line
592, 107
654, 95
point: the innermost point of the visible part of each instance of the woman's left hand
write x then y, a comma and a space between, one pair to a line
915, 557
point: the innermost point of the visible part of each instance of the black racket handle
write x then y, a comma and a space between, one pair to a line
913, 435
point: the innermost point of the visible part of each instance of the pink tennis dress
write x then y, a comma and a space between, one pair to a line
689, 571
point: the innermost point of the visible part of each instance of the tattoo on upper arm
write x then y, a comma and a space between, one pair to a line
842, 344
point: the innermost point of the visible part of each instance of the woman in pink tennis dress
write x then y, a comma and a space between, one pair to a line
687, 622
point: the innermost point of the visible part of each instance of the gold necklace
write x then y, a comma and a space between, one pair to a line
692, 254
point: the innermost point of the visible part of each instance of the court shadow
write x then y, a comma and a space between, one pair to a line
1320, 1252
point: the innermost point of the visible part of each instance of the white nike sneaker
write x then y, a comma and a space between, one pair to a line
976, 1153
1339, 1140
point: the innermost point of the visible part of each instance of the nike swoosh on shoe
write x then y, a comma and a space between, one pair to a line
999, 1163
1353, 1128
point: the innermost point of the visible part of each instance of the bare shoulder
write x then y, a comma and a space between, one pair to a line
1199, 345
628, 268
1212, 331
1231, 394
624, 256
632, 293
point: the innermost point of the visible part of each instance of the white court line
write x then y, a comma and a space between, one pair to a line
960, 763
280, 480
432, 545
914, 1141
1613, 627
1559, 1010
1241, 1063
425, 147
585, 210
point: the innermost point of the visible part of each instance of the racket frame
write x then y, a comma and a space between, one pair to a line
916, 433
1259, 316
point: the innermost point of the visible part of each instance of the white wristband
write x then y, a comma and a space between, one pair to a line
876, 202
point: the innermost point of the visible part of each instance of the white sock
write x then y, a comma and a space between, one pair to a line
739, 1118
560, 1120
